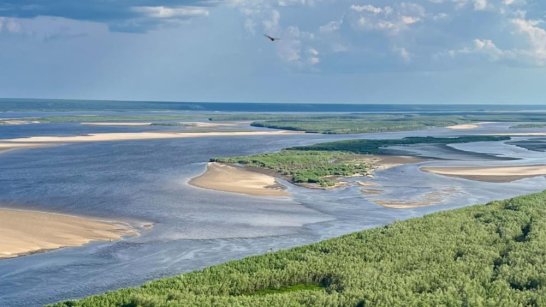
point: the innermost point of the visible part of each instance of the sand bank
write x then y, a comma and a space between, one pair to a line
105, 137
490, 174
25, 232
464, 127
16, 122
227, 178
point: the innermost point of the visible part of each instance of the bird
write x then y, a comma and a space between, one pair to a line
271, 38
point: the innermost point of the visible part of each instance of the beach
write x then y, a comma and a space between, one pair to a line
490, 173
24, 232
463, 127
37, 141
226, 178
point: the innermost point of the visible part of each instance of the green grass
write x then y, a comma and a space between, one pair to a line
313, 167
487, 255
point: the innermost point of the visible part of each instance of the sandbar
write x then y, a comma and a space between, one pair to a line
490, 173
129, 136
24, 232
463, 127
226, 178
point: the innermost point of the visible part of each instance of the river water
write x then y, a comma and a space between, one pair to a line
146, 182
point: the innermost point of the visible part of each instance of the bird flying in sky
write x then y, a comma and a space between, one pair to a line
271, 38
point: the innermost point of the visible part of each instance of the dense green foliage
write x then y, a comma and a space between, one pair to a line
529, 126
367, 146
491, 255
365, 123
305, 166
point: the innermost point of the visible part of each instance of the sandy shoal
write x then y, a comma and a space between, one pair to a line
226, 178
490, 174
463, 127
104, 137
116, 124
24, 232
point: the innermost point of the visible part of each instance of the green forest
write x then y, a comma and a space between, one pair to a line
485, 255
366, 123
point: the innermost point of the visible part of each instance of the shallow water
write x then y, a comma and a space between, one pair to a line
146, 181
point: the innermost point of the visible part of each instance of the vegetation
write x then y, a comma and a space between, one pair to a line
491, 255
365, 123
312, 167
367, 146
322, 163
529, 126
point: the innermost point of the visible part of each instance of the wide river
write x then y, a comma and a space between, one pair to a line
146, 182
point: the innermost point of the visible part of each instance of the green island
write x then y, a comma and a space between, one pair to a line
367, 123
484, 255
306, 167
529, 126
322, 163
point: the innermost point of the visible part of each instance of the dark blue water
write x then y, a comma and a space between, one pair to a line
19, 105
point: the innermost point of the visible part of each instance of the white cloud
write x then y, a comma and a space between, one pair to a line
536, 37
391, 19
10, 25
170, 12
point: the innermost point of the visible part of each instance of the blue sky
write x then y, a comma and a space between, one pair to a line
376, 51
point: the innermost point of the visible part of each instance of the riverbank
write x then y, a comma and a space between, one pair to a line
490, 173
226, 178
24, 232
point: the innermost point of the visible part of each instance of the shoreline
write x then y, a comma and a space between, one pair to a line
494, 174
38, 141
27, 232
233, 179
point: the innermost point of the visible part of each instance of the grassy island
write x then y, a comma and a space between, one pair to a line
322, 163
489, 255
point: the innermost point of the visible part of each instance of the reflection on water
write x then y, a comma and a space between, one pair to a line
145, 181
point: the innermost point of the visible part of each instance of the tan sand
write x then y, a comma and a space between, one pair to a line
491, 173
464, 127
105, 137
25, 232
15, 122
427, 199
227, 178
116, 124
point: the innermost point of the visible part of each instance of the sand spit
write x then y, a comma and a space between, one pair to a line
490, 174
228, 178
105, 137
24, 232
463, 127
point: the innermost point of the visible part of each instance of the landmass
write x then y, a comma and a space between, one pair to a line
227, 178
36, 141
24, 232
497, 249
